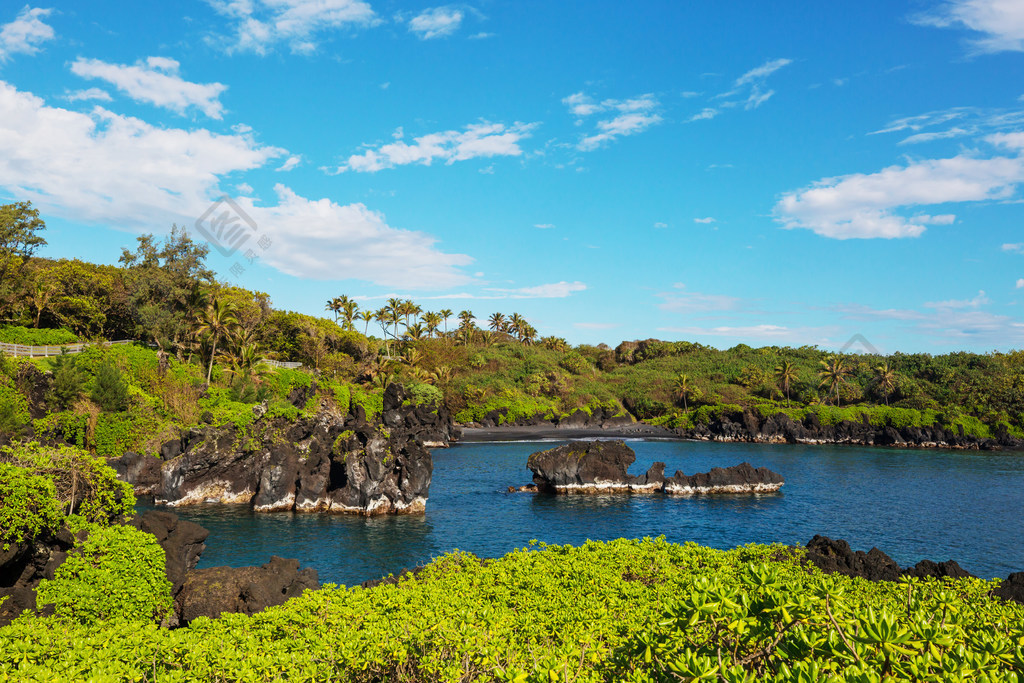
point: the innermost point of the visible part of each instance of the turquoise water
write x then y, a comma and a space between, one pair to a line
939, 505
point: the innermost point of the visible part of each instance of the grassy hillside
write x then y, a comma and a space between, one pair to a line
200, 343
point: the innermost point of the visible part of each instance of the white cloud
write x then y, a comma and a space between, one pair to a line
1001, 22
704, 114
88, 94
26, 33
436, 22
290, 163
659, 224
556, 290
957, 326
244, 188
1013, 141
955, 123
750, 87
633, 116
104, 167
1020, 283
709, 219
259, 24
690, 93
696, 302
979, 300
865, 205
1019, 247
123, 172
156, 81
320, 239
777, 333
481, 36
477, 140
544, 226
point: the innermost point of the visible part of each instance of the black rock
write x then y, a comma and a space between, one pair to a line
245, 590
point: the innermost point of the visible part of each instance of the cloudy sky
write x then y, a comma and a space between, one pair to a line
792, 173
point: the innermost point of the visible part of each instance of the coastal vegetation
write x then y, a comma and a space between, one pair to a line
200, 344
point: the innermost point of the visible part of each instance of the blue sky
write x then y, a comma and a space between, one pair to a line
765, 173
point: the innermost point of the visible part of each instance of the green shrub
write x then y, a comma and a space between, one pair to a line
109, 391
342, 397
68, 382
28, 505
424, 394
14, 414
575, 363
83, 484
32, 337
117, 573
372, 400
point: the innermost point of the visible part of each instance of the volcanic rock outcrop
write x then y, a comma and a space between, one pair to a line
328, 462
601, 466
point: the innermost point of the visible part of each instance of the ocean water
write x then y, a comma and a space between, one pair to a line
913, 504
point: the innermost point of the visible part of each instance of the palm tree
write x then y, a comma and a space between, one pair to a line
445, 314
348, 313
529, 334
497, 322
367, 317
442, 374
886, 379
834, 374
486, 337
786, 375
413, 356
415, 331
335, 305
681, 388
555, 343
517, 324
217, 320
466, 319
431, 321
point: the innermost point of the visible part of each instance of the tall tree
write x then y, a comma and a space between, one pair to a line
681, 388
445, 314
834, 374
496, 322
367, 317
217, 321
348, 313
517, 324
886, 380
466, 319
20, 226
785, 374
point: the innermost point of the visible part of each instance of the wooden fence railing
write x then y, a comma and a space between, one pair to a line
54, 350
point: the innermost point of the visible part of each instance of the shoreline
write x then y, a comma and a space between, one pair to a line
550, 432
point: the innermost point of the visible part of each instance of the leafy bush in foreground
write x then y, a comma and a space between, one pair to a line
117, 573
32, 337
642, 610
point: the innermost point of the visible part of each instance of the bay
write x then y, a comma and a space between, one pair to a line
913, 504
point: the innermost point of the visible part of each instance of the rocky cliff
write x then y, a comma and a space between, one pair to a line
601, 466
328, 462
751, 426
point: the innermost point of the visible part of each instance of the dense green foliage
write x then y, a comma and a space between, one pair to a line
43, 337
623, 610
43, 487
116, 574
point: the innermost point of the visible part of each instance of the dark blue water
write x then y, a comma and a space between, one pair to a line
912, 504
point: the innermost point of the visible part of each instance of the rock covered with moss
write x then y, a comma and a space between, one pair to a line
322, 462
601, 466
